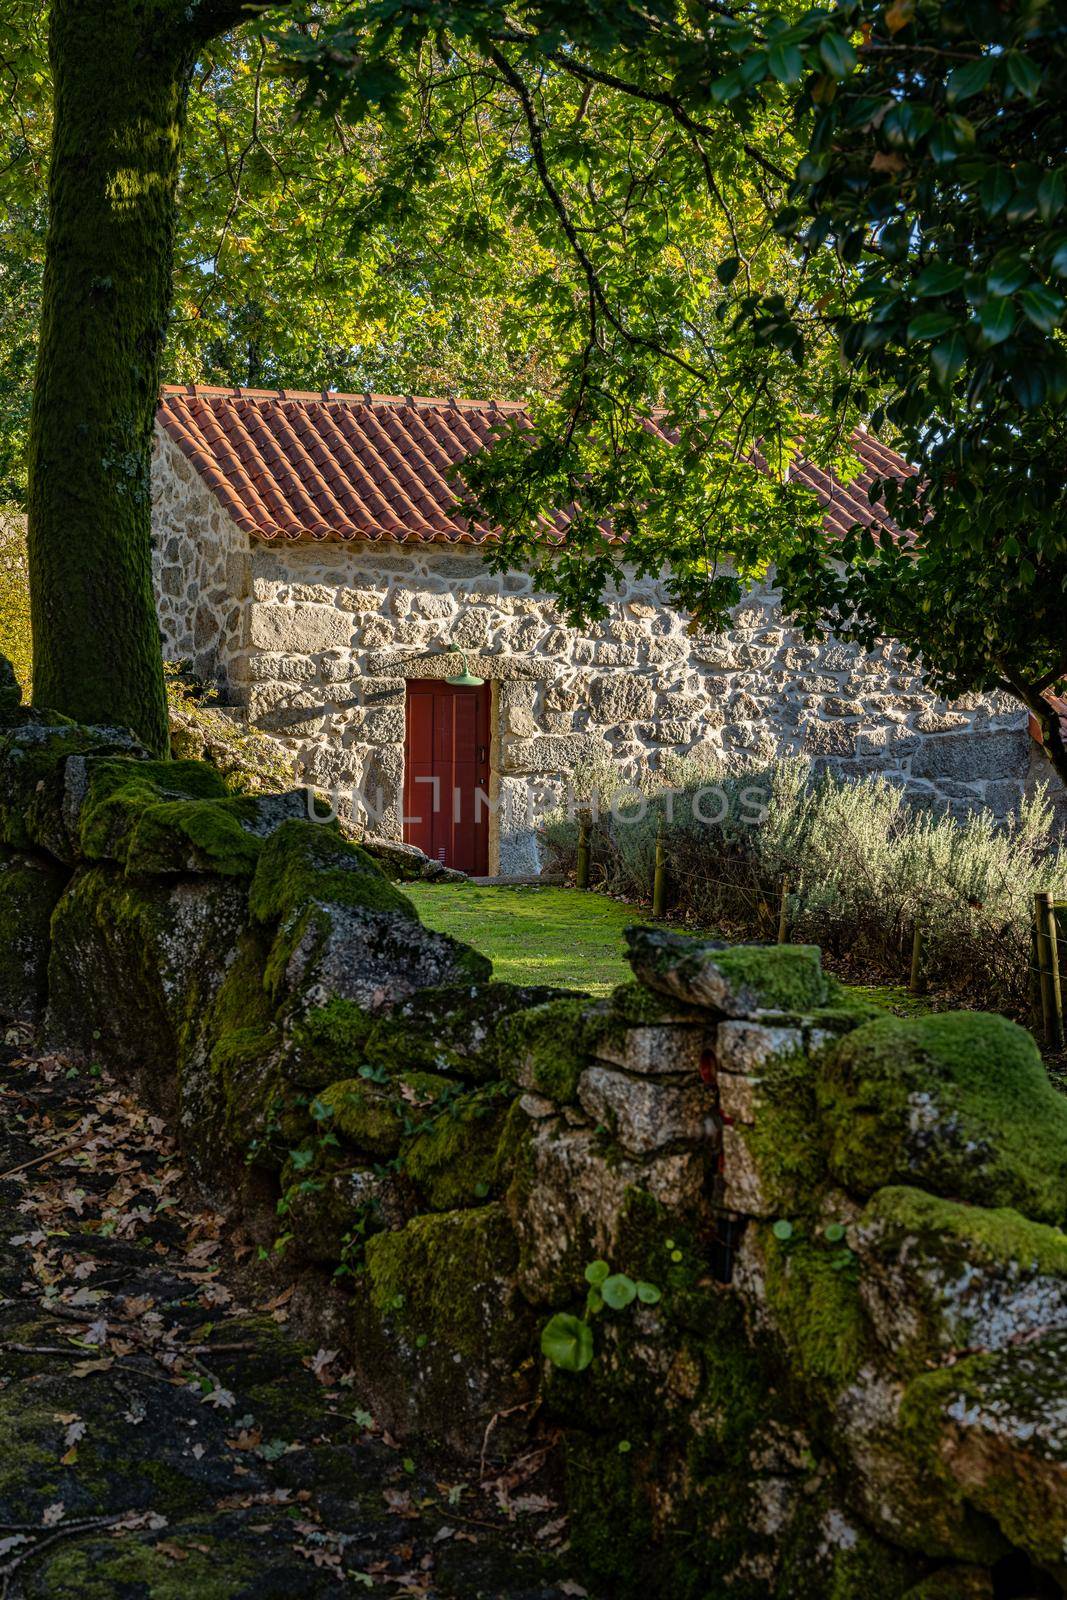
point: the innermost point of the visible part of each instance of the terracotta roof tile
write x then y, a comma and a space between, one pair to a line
292, 465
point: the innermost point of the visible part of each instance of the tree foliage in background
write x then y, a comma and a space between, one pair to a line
761, 227
923, 220
276, 282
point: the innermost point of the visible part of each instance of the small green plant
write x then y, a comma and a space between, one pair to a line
567, 1340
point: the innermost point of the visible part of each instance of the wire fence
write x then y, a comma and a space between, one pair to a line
1024, 968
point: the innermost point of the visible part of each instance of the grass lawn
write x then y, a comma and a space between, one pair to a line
565, 937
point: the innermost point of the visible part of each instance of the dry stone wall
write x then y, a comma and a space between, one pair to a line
818, 1254
317, 641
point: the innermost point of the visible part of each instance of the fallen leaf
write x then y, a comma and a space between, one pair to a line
173, 1551
53, 1514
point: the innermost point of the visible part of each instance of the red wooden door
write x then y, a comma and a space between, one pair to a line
446, 766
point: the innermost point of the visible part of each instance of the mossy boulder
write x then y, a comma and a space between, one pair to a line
43, 780
326, 1043
440, 1328
547, 1047
310, 861
453, 1162
993, 1429
30, 887
455, 1029
373, 1116
958, 1104
937, 1276
135, 967
374, 959
735, 980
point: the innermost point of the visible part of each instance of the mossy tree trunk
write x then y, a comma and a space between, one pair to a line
121, 70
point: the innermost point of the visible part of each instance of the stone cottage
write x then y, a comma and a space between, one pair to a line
310, 557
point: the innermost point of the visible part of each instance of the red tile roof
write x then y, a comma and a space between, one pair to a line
291, 465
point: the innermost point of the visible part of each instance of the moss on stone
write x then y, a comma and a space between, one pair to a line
612, 1534
999, 1238
785, 977
737, 980
30, 887
375, 1117
328, 1043
454, 1028
986, 1431
33, 758
444, 1279
131, 1566
547, 1047
814, 1305
958, 1103
786, 1141
453, 1163
165, 816
306, 861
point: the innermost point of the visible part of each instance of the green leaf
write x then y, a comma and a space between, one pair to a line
963, 82
1022, 74
838, 56
996, 319
648, 1294
939, 278
1044, 307
1008, 271
1052, 193
786, 63
835, 1232
782, 1229
727, 270
947, 358
618, 1291
567, 1342
596, 1272
995, 190
931, 325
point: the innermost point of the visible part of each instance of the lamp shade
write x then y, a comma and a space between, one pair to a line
465, 679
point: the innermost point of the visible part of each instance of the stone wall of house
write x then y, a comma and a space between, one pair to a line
317, 641
200, 566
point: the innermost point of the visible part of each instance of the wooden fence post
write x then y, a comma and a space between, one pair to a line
581, 876
1054, 1028
783, 914
915, 981
1043, 972
659, 880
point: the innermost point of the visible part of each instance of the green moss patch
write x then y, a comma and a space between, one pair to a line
444, 1279
375, 1117
958, 1104
310, 861
453, 1163
166, 816
547, 1047
328, 1043
813, 1297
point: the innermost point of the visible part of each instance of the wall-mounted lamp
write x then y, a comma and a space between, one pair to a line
466, 678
